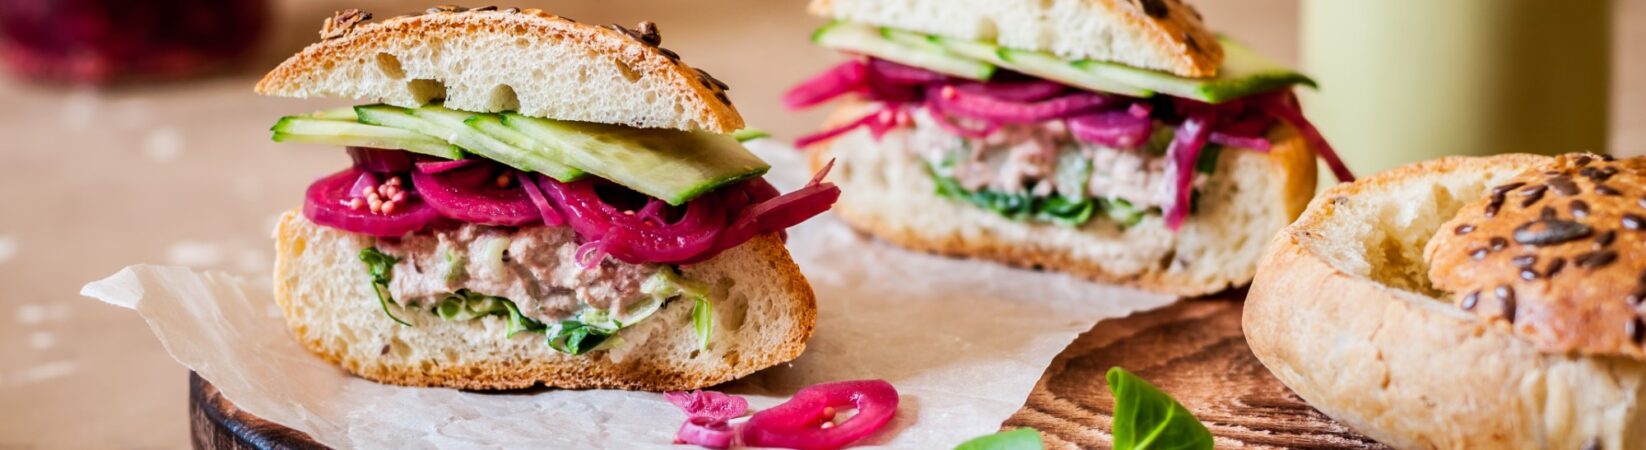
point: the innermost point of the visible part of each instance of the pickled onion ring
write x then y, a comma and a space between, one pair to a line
705, 432
798, 423
710, 404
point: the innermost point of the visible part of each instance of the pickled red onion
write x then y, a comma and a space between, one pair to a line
949, 100
380, 160
1254, 143
709, 404
705, 432
843, 78
895, 73
1113, 129
443, 166
551, 216
472, 195
1013, 91
798, 422
1184, 152
1283, 104
878, 122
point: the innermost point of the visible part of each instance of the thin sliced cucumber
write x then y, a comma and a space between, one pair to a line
900, 46
348, 133
1046, 66
448, 124
672, 165
1244, 72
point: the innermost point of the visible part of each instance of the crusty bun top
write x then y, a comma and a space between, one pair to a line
491, 60
1557, 255
1164, 35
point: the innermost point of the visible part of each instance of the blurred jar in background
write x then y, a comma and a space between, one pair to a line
101, 41
1410, 80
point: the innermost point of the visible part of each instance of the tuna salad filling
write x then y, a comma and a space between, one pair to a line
1040, 171
529, 276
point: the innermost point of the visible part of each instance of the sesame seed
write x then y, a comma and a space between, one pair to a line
1507, 295
1524, 260
1554, 267
1636, 330
1469, 301
1633, 222
1463, 229
1498, 243
1606, 190
1580, 209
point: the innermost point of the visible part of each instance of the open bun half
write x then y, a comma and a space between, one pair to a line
1342, 311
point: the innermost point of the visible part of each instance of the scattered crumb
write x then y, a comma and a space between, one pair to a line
247, 187
30, 314
8, 248
194, 254
163, 144
41, 340
253, 261
79, 109
44, 372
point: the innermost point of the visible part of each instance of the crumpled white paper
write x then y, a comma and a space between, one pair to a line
963, 342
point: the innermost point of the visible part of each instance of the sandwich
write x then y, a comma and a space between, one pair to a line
1490, 302
533, 200
1111, 139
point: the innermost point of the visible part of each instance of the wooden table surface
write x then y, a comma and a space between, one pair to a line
183, 173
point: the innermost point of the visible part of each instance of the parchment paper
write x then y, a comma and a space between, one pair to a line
963, 342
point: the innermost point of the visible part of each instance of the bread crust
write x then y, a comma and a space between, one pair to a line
1407, 369
1290, 161
1169, 33
703, 101
770, 308
1560, 259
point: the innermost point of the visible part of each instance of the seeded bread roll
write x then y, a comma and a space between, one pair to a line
489, 60
1558, 255
1165, 35
1344, 313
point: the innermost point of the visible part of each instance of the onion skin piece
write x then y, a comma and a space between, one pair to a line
797, 423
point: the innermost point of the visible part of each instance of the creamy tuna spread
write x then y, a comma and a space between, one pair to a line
1043, 160
534, 267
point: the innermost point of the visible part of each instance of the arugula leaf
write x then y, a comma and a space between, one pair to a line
574, 338
702, 321
469, 305
380, 266
1207, 161
1018, 439
1147, 419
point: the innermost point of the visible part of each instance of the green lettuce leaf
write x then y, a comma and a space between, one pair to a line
380, 267
1147, 419
1018, 439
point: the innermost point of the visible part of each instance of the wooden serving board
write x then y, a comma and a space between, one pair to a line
1193, 350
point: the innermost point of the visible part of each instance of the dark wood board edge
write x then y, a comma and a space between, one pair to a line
215, 423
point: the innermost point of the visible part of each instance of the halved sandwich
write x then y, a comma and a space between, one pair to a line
1117, 140
533, 201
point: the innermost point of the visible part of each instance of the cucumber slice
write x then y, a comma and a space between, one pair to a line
672, 165
448, 124
980, 51
1244, 72
1044, 65
900, 46
348, 133
345, 113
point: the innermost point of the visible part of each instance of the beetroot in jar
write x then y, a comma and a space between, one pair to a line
100, 41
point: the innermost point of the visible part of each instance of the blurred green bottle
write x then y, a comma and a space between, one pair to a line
1410, 80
